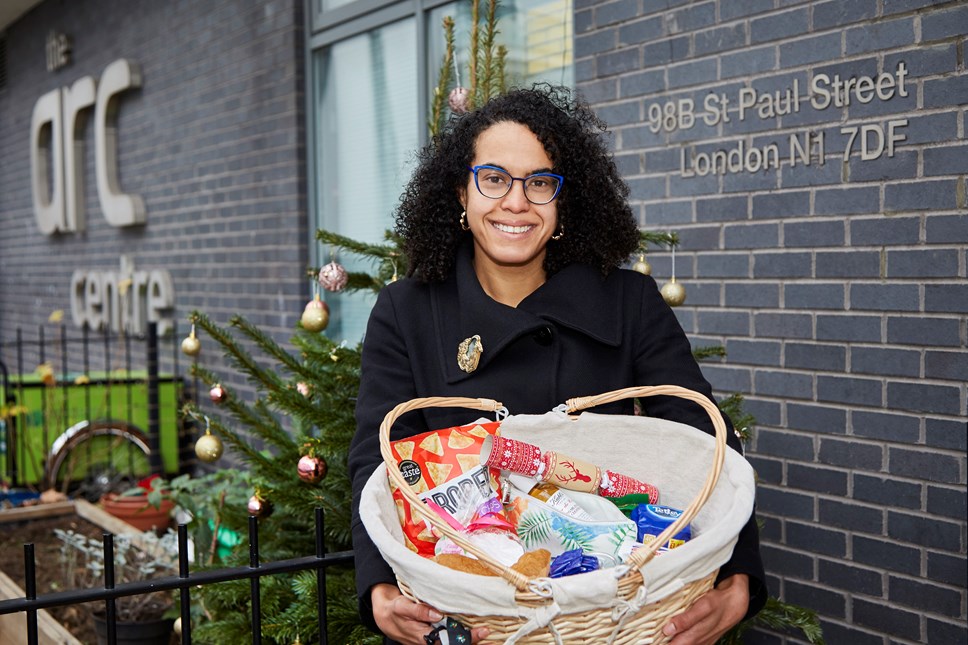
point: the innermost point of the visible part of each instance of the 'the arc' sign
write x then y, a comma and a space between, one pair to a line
57, 151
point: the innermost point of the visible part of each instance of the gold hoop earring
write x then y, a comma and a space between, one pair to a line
560, 234
463, 221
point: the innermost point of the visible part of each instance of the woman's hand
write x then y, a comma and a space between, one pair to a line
712, 614
404, 620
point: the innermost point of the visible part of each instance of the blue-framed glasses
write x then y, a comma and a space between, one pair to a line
495, 183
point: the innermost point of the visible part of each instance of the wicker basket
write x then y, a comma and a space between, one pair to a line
627, 604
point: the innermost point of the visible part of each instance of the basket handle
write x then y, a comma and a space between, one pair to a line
519, 580
641, 556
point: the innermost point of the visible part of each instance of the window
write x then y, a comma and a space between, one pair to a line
373, 66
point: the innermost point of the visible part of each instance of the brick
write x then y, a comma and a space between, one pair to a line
817, 418
777, 26
885, 361
848, 264
851, 453
784, 444
690, 186
940, 631
944, 24
947, 502
751, 236
944, 92
623, 60
759, 295
595, 42
722, 265
846, 201
837, 14
584, 21
884, 297
852, 517
930, 128
819, 480
643, 83
722, 209
787, 563
849, 577
753, 352
945, 298
837, 633
881, 35
945, 433
663, 52
720, 39
803, 175
782, 325
616, 114
920, 196
853, 390
692, 73
924, 331
585, 69
646, 187
831, 604
927, 597
856, 327
889, 556
933, 399
952, 570
884, 231
805, 51
814, 234
923, 263
887, 620
768, 471
747, 61
886, 492
814, 296
830, 358
641, 31
765, 412
725, 323
781, 265
618, 11
889, 427
785, 503
946, 365
924, 60
949, 160
600, 91
925, 532
699, 239
727, 379
946, 229
693, 17
903, 165
782, 384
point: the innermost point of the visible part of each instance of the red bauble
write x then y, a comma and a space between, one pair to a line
259, 507
311, 469
218, 394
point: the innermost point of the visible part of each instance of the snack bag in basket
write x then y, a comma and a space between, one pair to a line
444, 466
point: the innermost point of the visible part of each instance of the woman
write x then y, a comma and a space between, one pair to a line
515, 225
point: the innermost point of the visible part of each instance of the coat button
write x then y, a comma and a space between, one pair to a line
543, 336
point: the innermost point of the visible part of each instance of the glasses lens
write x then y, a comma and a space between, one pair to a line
540, 189
493, 183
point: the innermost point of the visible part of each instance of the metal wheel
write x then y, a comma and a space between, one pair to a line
90, 459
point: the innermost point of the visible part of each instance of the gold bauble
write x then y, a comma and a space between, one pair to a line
673, 293
176, 626
208, 448
642, 266
191, 345
316, 315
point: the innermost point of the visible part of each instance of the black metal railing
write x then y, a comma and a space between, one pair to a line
30, 604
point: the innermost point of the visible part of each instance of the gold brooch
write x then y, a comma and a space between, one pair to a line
469, 353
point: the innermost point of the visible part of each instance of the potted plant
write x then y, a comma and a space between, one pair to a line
143, 618
146, 507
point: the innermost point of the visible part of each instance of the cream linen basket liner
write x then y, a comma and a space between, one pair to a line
626, 604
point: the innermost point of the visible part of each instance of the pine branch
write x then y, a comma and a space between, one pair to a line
711, 351
657, 239
473, 54
442, 91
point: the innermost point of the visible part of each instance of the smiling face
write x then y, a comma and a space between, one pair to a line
510, 233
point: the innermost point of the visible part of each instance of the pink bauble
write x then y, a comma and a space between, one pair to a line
311, 469
459, 100
333, 277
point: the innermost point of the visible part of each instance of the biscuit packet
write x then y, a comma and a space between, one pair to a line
444, 466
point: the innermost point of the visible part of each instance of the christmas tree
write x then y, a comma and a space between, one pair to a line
302, 420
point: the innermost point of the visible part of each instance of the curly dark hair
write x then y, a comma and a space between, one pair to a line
599, 228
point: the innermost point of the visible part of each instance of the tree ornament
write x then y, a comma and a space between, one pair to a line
311, 468
303, 388
315, 317
333, 277
642, 265
673, 293
208, 447
191, 345
218, 394
259, 507
176, 626
459, 100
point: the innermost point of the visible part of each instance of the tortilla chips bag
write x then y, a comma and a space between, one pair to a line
444, 466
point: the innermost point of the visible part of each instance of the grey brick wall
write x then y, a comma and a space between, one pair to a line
213, 141
839, 290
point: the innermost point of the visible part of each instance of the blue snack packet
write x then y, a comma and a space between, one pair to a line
652, 519
571, 562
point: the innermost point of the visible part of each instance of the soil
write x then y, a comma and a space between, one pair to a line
49, 573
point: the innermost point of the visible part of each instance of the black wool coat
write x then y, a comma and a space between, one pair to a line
578, 334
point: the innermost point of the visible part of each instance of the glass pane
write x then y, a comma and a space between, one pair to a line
537, 34
366, 115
